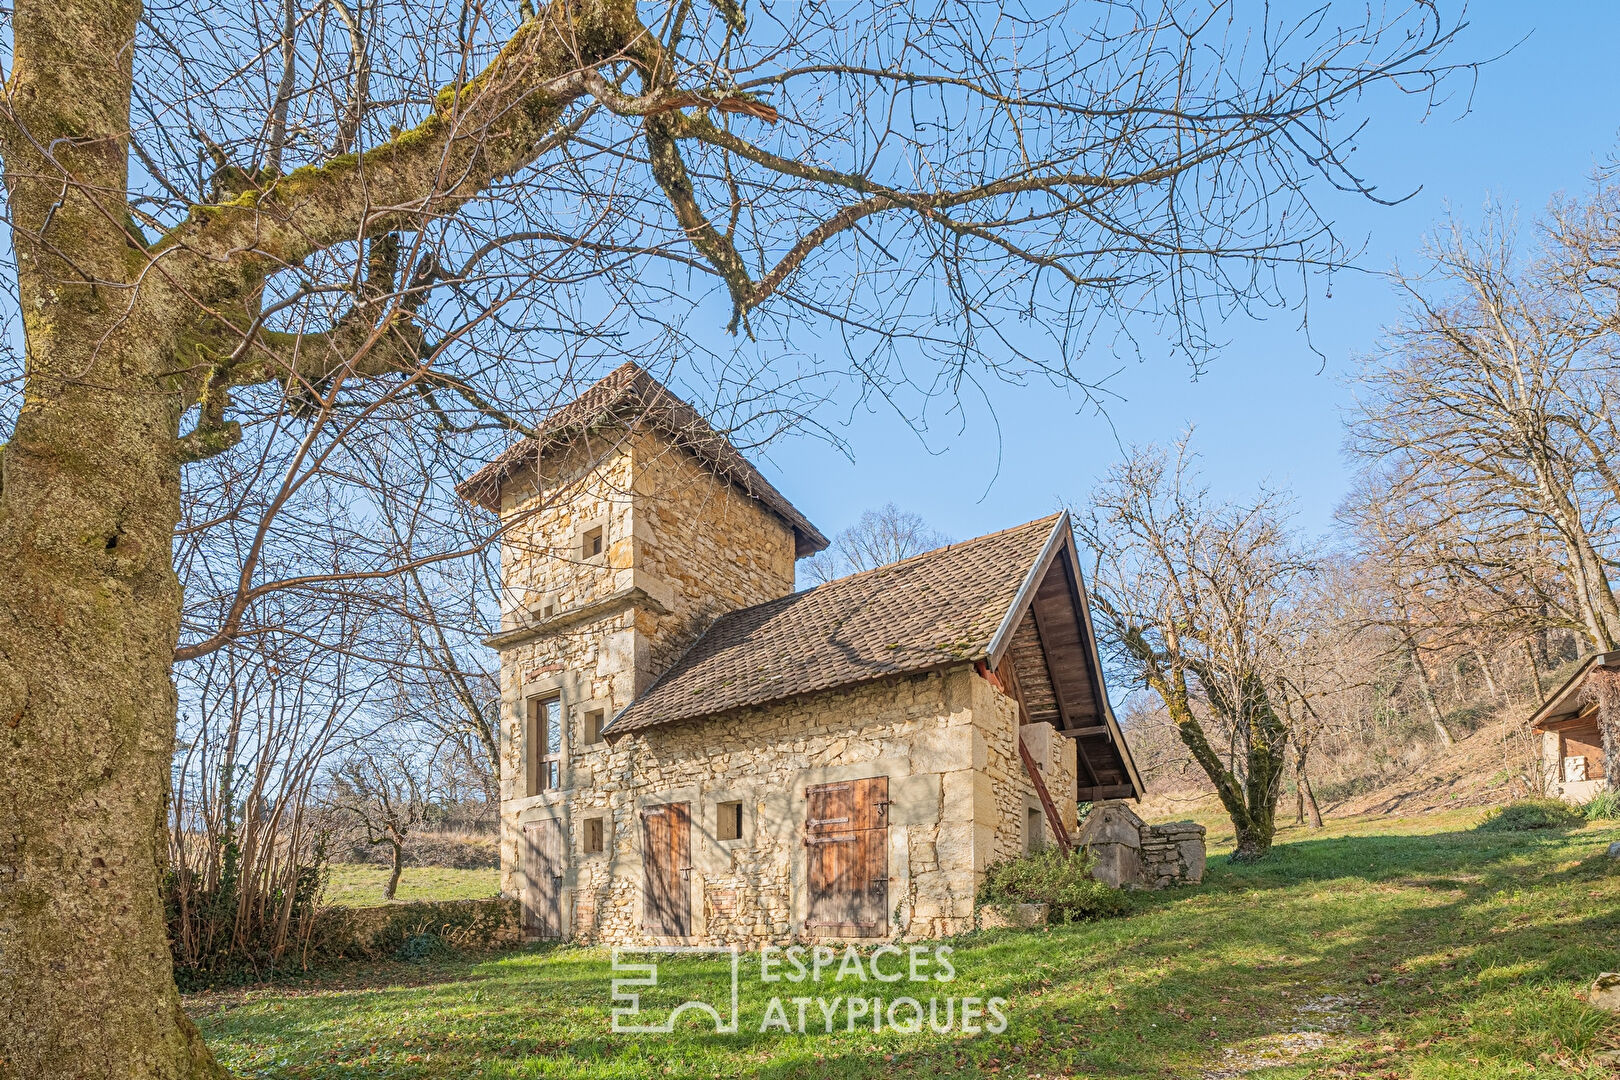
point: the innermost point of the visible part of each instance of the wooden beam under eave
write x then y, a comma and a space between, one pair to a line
1057, 690
1099, 792
1046, 655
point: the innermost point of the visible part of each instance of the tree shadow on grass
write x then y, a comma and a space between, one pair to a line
1419, 937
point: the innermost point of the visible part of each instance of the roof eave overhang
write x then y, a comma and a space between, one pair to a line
1062, 540
1001, 640
483, 488
1557, 705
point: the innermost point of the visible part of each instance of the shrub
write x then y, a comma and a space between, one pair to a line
1604, 806
1469, 718
1527, 815
229, 928
457, 850
1062, 882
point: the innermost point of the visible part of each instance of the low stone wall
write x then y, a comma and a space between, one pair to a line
1172, 854
1131, 854
380, 932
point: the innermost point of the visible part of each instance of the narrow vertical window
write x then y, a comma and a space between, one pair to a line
545, 744
595, 541
728, 823
1035, 837
594, 836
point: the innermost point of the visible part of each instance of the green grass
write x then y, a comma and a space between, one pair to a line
1425, 949
361, 884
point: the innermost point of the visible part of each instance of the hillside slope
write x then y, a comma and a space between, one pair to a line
1490, 766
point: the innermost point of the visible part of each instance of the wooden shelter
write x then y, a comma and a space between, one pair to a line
1580, 729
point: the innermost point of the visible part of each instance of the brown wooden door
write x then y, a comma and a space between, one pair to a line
666, 858
846, 838
542, 861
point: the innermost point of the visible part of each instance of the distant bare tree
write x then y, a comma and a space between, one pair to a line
1196, 598
879, 537
1489, 412
388, 792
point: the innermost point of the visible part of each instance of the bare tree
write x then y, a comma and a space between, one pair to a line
1489, 409
248, 238
879, 537
387, 791
1196, 598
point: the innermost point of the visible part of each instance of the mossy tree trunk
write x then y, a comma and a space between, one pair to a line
90, 492
89, 501
1250, 799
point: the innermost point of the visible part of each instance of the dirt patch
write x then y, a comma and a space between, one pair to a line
1316, 1024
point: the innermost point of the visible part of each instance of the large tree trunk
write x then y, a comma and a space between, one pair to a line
1254, 836
89, 601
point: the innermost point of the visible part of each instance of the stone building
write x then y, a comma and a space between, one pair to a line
694, 752
1576, 761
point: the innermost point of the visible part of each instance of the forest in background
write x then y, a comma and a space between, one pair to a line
1471, 564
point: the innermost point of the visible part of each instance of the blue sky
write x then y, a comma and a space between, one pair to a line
1267, 409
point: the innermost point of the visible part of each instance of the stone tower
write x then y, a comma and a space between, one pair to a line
630, 525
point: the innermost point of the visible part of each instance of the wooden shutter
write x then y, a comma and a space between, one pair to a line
666, 859
846, 838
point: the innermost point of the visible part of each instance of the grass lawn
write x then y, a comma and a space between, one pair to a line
361, 884
1381, 949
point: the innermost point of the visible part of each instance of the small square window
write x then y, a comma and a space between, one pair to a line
595, 720
595, 835
595, 541
729, 825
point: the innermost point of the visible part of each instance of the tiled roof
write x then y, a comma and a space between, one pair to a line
921, 613
630, 395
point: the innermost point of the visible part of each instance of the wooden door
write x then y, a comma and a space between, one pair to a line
542, 862
666, 859
846, 838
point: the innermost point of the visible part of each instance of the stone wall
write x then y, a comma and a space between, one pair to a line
958, 800
716, 548
1130, 854
1007, 802
1172, 854
916, 730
